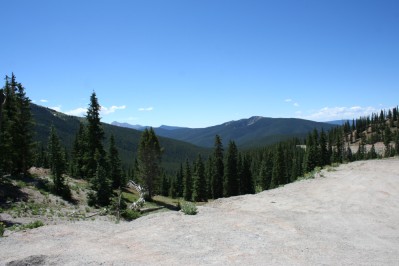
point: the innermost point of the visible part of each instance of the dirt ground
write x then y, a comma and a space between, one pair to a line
347, 216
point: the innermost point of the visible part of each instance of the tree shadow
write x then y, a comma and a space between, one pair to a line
10, 193
166, 205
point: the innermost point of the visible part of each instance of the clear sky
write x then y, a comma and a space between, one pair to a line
204, 62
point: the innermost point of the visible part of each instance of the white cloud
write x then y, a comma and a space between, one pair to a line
296, 104
337, 113
80, 111
148, 109
112, 109
44, 101
288, 100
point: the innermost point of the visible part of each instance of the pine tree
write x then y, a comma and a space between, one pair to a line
209, 172
115, 169
179, 182
8, 153
361, 151
278, 167
101, 186
16, 143
387, 141
200, 185
149, 158
265, 174
218, 167
95, 153
165, 185
230, 172
78, 153
188, 182
23, 136
172, 188
311, 160
246, 178
57, 162
372, 153
324, 156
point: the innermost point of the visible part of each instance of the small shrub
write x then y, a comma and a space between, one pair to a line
31, 225
34, 224
189, 208
258, 189
130, 215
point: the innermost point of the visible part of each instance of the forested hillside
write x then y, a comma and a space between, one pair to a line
247, 133
231, 172
126, 140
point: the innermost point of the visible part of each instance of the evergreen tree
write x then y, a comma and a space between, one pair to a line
387, 141
172, 188
9, 110
209, 172
218, 169
149, 158
165, 185
102, 187
348, 154
16, 143
115, 169
278, 167
95, 153
200, 192
78, 153
57, 164
311, 160
230, 172
23, 143
179, 181
361, 151
188, 182
265, 174
372, 153
247, 182
324, 156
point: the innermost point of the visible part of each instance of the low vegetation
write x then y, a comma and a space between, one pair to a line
189, 208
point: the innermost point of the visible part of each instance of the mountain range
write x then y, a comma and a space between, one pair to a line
179, 143
126, 139
247, 133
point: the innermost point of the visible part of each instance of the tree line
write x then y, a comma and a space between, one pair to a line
232, 173
224, 173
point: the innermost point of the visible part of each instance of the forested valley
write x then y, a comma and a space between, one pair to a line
210, 174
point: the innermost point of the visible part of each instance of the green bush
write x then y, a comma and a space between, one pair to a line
130, 215
31, 225
34, 224
189, 208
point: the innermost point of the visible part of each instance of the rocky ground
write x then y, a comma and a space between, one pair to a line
349, 215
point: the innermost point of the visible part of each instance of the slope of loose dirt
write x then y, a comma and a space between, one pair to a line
348, 216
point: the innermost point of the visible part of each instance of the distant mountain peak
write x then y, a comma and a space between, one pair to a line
252, 120
127, 125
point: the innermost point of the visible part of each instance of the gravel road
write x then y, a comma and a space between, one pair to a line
348, 216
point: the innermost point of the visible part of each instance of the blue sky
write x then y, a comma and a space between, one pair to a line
201, 63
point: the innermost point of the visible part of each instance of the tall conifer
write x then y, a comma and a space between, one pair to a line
231, 171
218, 169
